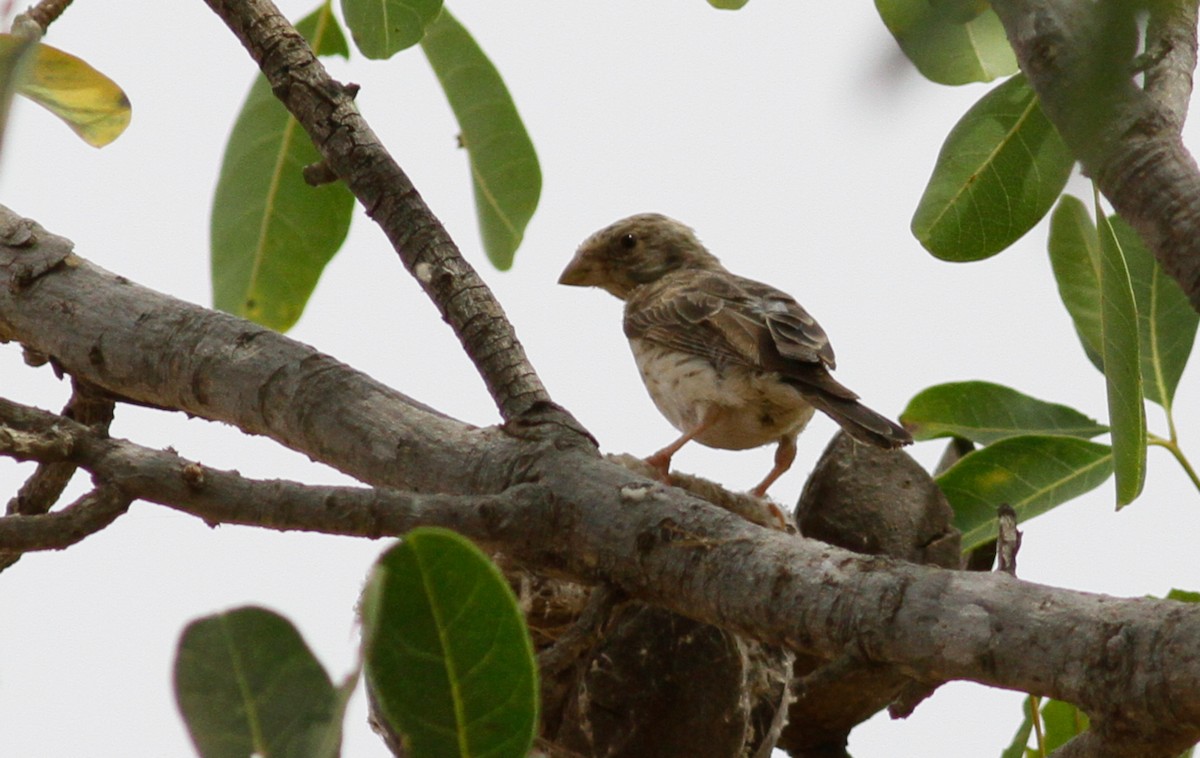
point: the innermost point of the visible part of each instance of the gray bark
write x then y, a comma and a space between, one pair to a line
535, 487
1131, 664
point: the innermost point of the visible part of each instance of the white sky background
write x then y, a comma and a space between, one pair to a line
792, 136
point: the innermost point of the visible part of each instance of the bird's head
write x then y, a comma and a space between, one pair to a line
636, 251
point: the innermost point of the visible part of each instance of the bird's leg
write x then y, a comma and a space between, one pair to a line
785, 454
661, 461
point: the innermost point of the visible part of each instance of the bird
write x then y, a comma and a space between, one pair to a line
731, 362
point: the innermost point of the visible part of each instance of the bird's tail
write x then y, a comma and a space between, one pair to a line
860, 422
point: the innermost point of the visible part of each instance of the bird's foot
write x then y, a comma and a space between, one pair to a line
662, 466
777, 514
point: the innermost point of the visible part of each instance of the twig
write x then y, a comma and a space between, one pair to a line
55, 531
46, 12
45, 486
226, 497
582, 635
1008, 541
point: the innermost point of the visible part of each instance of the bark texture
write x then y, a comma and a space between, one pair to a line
541, 494
674, 572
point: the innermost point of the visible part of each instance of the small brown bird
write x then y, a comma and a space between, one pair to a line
731, 362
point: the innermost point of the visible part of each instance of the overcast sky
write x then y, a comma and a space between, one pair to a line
791, 136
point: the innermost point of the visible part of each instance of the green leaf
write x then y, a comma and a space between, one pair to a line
504, 166
1122, 368
1016, 748
382, 28
1184, 596
1075, 257
728, 5
950, 42
247, 684
985, 413
1061, 722
86, 100
998, 173
16, 56
1166, 322
1032, 474
447, 654
271, 233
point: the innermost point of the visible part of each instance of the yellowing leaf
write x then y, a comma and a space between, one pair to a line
1033, 474
88, 101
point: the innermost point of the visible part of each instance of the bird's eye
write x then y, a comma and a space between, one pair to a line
629, 241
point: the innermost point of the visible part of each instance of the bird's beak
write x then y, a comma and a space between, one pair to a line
579, 272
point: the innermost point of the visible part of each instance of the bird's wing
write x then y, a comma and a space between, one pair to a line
689, 311
733, 321
794, 334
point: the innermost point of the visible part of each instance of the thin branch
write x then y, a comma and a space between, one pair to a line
1008, 543
46, 12
226, 497
43, 489
583, 634
326, 110
61, 529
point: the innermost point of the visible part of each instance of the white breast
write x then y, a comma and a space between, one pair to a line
758, 408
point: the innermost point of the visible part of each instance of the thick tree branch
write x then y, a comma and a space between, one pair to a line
1128, 661
595, 521
1171, 56
153, 349
326, 110
1079, 57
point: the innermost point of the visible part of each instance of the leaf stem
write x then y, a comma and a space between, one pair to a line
1035, 713
1173, 446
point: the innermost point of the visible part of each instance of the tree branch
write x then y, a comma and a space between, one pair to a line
1171, 54
591, 520
559, 507
61, 529
1078, 56
326, 111
226, 497
152, 349
42, 490
47, 11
